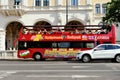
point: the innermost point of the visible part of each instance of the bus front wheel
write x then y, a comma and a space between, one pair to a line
37, 57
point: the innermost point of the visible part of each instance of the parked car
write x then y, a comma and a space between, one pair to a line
102, 51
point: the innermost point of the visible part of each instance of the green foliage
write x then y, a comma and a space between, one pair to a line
113, 12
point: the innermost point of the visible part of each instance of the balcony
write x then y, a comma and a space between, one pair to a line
19, 10
12, 10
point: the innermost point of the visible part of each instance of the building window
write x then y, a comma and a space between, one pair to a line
45, 2
103, 8
37, 2
17, 2
97, 8
74, 2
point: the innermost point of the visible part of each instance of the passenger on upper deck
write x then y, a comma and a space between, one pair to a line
44, 31
40, 32
84, 31
52, 31
89, 32
108, 28
97, 32
103, 31
76, 31
26, 31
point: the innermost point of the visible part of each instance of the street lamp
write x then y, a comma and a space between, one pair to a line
66, 11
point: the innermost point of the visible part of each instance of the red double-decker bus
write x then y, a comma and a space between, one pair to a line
41, 42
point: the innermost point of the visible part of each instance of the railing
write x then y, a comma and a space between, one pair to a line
29, 8
11, 7
57, 8
19, 10
8, 54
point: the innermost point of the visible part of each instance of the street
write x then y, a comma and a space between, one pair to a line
58, 70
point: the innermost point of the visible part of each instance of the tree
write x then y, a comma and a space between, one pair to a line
112, 12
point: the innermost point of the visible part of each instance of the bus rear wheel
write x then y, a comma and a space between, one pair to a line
37, 57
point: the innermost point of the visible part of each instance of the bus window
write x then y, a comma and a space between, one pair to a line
107, 42
63, 45
77, 45
90, 45
82, 45
43, 45
54, 45
22, 45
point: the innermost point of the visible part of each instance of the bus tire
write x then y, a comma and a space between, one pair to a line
37, 56
117, 58
86, 58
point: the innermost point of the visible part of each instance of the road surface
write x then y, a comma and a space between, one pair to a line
58, 70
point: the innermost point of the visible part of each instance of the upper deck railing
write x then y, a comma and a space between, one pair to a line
72, 29
68, 33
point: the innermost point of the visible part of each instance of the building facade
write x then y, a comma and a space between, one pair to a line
17, 13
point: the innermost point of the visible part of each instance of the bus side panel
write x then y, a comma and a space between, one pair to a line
50, 53
57, 52
23, 54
